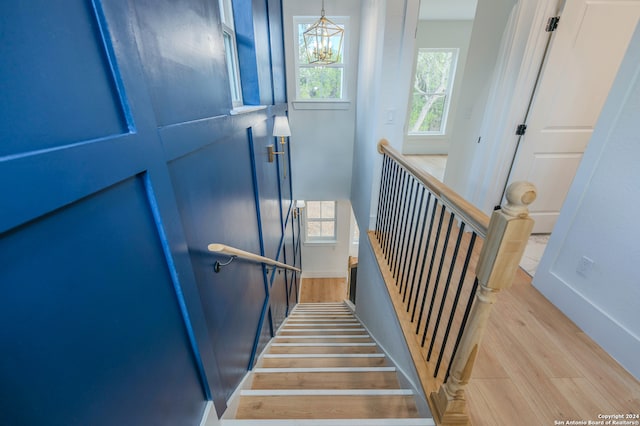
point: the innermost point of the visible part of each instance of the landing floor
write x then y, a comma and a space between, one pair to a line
536, 367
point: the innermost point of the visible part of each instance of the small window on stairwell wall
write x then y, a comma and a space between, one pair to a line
320, 221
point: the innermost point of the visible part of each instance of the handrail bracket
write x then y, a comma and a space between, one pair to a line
218, 266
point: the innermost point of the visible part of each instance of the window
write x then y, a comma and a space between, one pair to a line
318, 82
320, 221
231, 50
435, 70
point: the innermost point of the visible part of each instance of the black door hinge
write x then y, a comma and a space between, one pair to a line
552, 24
521, 129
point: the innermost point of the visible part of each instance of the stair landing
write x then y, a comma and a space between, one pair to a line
323, 368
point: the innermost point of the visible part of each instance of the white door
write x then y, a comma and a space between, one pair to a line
584, 57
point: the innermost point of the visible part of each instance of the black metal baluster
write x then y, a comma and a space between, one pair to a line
383, 175
426, 250
398, 220
392, 204
435, 287
462, 325
445, 290
387, 202
454, 306
433, 256
400, 229
406, 229
413, 247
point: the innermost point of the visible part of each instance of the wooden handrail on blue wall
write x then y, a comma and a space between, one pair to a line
234, 252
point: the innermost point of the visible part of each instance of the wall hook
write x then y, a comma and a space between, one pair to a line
217, 266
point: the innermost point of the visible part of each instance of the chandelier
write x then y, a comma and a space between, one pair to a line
323, 41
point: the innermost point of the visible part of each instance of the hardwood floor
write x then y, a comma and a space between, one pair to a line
536, 366
323, 290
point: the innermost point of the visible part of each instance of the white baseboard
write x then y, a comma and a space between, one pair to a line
323, 274
210, 417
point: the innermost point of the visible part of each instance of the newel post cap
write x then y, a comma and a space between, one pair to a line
519, 195
381, 145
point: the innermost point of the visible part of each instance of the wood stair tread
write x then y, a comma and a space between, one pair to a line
328, 407
326, 380
323, 368
323, 349
323, 362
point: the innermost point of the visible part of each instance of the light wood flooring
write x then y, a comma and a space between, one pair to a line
314, 290
536, 366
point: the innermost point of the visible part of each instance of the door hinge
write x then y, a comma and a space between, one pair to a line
521, 129
552, 24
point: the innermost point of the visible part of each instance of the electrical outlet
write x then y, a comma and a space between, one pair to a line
585, 265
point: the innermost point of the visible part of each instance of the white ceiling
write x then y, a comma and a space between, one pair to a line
447, 9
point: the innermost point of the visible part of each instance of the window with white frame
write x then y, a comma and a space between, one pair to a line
318, 82
320, 221
231, 51
433, 84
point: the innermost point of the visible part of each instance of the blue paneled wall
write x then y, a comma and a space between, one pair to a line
119, 163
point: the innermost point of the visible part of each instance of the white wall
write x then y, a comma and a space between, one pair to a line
322, 139
440, 34
386, 57
330, 260
599, 221
488, 27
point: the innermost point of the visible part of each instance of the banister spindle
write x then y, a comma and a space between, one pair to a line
504, 245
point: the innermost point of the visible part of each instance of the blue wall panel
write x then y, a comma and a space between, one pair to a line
183, 57
247, 53
290, 256
268, 188
111, 310
44, 87
262, 50
278, 299
285, 177
91, 329
276, 35
217, 205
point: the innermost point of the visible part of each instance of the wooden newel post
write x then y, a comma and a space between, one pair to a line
503, 247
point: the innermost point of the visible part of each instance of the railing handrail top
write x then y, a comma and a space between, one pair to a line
232, 251
472, 215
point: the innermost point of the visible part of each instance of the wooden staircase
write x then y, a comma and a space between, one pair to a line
323, 368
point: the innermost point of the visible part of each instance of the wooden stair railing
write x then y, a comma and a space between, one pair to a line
233, 252
414, 211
